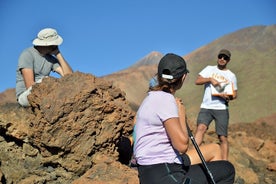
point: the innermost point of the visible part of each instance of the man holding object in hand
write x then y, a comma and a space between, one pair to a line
215, 107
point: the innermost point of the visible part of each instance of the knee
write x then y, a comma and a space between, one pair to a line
223, 139
230, 170
217, 151
225, 172
201, 128
23, 101
216, 147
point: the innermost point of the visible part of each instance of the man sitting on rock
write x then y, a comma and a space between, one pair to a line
37, 62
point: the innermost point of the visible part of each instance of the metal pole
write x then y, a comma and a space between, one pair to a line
210, 176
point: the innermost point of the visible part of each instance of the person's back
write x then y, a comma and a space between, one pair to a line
154, 148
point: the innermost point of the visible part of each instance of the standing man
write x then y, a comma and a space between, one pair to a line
220, 86
38, 61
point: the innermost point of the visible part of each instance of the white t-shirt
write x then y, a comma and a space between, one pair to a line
152, 144
214, 102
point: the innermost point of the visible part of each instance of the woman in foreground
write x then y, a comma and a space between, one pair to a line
161, 137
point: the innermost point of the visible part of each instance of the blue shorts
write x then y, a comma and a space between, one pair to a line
221, 118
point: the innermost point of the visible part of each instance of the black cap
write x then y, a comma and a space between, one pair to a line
172, 66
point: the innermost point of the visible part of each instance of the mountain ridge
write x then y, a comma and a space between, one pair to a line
250, 47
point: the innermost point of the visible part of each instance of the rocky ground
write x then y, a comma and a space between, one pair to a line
70, 133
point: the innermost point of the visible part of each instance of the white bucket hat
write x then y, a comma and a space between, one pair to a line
47, 37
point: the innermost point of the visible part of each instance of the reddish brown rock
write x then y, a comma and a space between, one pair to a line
69, 121
271, 166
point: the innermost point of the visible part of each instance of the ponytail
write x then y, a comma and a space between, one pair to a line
167, 85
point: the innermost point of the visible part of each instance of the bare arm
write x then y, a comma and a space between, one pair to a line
182, 116
64, 68
235, 95
230, 97
201, 80
28, 76
177, 130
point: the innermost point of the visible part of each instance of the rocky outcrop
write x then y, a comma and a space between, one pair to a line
73, 125
70, 135
252, 150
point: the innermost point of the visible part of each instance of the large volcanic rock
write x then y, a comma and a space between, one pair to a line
73, 125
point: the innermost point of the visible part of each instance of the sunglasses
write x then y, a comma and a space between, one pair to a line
226, 58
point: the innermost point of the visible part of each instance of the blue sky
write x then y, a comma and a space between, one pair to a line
102, 37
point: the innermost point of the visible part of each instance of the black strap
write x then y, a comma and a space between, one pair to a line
186, 160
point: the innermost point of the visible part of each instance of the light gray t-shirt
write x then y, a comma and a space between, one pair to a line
41, 65
152, 144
